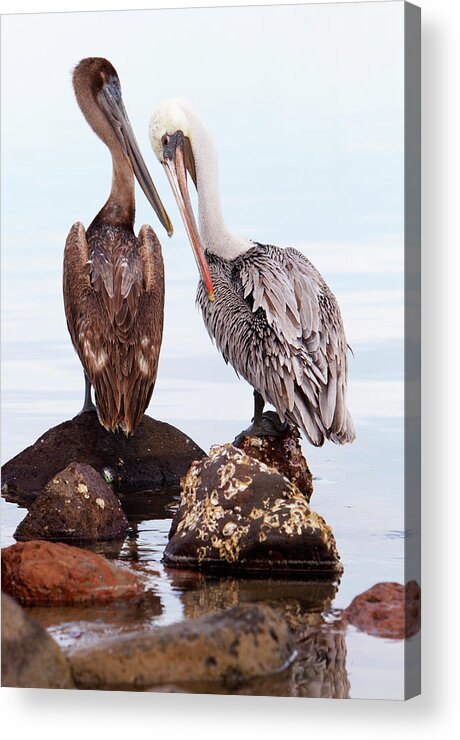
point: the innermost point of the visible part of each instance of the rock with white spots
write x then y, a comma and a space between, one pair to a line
76, 505
238, 514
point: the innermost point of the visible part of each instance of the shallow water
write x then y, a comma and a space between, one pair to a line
355, 490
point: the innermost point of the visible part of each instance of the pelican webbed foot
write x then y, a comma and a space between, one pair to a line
88, 408
270, 425
266, 424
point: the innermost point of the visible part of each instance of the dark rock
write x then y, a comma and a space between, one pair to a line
30, 657
229, 646
76, 505
157, 453
237, 514
386, 610
283, 453
38, 573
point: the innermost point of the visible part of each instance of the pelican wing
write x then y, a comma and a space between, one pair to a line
302, 369
114, 311
83, 305
148, 331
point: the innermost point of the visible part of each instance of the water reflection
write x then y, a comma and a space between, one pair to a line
320, 670
157, 503
298, 599
80, 626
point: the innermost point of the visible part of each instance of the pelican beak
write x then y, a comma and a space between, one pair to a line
114, 108
177, 156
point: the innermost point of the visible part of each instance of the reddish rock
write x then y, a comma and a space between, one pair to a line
238, 514
48, 573
284, 454
157, 453
76, 505
386, 610
30, 657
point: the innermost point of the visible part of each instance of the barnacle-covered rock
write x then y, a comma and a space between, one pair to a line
284, 453
76, 505
236, 513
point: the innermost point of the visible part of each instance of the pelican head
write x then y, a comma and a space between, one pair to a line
172, 138
98, 92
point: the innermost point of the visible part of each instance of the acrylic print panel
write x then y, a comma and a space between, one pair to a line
292, 564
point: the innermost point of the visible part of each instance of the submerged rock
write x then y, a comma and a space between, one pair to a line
30, 657
229, 646
157, 453
236, 513
48, 573
386, 610
76, 505
283, 453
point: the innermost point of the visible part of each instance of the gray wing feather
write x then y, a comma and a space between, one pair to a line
279, 325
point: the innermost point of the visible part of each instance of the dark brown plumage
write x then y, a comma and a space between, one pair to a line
113, 280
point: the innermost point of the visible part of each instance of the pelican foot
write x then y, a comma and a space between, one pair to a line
88, 408
270, 425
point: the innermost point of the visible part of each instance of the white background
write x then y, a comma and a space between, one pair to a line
53, 714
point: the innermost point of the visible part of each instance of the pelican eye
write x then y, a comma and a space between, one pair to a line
165, 140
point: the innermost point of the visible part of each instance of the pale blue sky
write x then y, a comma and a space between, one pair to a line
305, 102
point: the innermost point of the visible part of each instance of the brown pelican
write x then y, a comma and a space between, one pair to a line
271, 314
113, 280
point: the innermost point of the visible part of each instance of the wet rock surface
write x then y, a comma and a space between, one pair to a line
157, 453
76, 505
283, 453
238, 514
30, 657
229, 646
386, 610
40, 572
